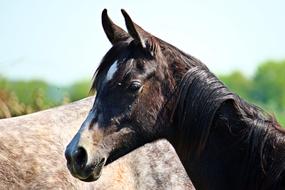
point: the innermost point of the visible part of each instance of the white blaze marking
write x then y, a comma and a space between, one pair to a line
112, 70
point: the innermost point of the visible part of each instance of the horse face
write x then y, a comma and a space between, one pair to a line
130, 94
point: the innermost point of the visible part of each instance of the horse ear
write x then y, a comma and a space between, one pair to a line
145, 39
114, 33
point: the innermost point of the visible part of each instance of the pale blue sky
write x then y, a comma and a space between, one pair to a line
62, 40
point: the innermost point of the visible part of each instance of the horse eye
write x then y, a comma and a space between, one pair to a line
135, 86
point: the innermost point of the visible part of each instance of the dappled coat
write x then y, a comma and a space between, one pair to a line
32, 156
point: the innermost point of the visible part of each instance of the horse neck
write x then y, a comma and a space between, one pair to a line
244, 152
195, 104
236, 145
244, 162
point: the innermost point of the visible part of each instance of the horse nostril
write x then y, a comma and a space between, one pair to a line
80, 157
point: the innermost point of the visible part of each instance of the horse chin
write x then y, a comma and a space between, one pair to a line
95, 172
91, 178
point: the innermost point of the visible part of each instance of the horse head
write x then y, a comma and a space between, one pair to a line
132, 85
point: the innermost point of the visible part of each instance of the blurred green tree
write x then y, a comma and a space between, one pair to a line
238, 83
269, 84
79, 90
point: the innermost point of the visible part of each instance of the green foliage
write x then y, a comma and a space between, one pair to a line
238, 83
269, 83
79, 90
23, 97
27, 91
280, 117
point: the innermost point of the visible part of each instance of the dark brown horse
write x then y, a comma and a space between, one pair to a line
147, 89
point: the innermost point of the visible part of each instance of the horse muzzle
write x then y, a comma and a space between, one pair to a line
78, 166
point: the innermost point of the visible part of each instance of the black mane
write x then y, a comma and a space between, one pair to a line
205, 104
200, 95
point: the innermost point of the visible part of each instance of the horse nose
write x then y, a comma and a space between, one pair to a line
76, 159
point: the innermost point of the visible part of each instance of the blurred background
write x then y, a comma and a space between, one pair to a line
49, 49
